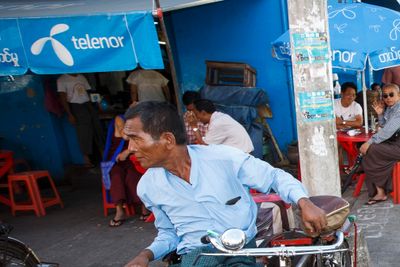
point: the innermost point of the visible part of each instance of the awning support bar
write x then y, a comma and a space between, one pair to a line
169, 54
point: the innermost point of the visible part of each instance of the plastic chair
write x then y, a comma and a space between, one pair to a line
108, 204
6, 167
37, 202
396, 184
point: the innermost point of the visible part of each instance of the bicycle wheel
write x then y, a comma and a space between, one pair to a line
337, 259
13, 253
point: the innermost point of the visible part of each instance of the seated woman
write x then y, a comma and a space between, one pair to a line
382, 151
124, 176
348, 112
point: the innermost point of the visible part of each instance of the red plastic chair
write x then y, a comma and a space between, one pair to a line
6, 167
108, 204
396, 184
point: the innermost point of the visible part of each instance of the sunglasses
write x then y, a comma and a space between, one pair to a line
387, 95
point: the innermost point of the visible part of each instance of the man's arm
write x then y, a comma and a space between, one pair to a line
141, 260
387, 76
64, 103
260, 175
166, 240
358, 122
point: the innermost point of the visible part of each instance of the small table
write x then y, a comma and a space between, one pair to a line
349, 143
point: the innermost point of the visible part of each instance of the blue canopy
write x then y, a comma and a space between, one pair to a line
358, 32
54, 37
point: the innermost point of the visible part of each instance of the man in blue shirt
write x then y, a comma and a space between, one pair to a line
190, 188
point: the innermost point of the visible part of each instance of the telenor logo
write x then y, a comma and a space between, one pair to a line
61, 51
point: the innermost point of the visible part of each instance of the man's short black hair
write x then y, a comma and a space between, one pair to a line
206, 105
348, 85
374, 85
189, 97
157, 118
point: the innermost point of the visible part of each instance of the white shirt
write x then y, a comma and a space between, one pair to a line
223, 129
347, 113
75, 87
149, 84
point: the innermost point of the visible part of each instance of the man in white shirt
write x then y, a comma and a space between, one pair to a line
75, 100
348, 112
148, 85
222, 128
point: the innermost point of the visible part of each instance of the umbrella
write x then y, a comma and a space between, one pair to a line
392, 4
359, 33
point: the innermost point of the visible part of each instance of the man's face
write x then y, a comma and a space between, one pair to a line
149, 152
348, 97
201, 116
390, 96
190, 107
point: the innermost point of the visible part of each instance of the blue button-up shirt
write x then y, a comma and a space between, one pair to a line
390, 120
185, 211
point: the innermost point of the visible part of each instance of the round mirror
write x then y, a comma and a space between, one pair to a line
233, 239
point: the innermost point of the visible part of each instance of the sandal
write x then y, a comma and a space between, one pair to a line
116, 223
372, 201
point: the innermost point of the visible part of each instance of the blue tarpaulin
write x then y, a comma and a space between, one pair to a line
54, 37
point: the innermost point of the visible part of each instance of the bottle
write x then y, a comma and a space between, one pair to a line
373, 123
336, 85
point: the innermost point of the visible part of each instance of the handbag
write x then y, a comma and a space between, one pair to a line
106, 165
337, 210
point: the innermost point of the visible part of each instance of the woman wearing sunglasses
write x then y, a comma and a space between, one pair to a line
382, 151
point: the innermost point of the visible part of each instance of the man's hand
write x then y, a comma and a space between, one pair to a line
314, 218
379, 107
364, 148
141, 260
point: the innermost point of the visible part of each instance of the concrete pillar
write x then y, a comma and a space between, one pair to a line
313, 89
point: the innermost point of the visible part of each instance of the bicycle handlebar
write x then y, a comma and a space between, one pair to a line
282, 251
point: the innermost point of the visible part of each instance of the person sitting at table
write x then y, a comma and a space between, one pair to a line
348, 112
188, 99
382, 151
373, 95
222, 128
124, 176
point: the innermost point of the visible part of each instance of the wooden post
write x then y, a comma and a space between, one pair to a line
170, 57
313, 89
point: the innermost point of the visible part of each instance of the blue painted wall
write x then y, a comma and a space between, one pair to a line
240, 31
27, 128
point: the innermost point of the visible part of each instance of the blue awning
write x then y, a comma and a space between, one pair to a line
54, 37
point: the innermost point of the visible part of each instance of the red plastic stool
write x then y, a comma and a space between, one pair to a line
37, 202
107, 204
396, 183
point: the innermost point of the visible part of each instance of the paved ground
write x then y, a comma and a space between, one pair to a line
78, 235
379, 226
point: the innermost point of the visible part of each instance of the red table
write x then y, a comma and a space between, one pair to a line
349, 144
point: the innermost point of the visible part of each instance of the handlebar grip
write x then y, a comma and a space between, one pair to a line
205, 239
